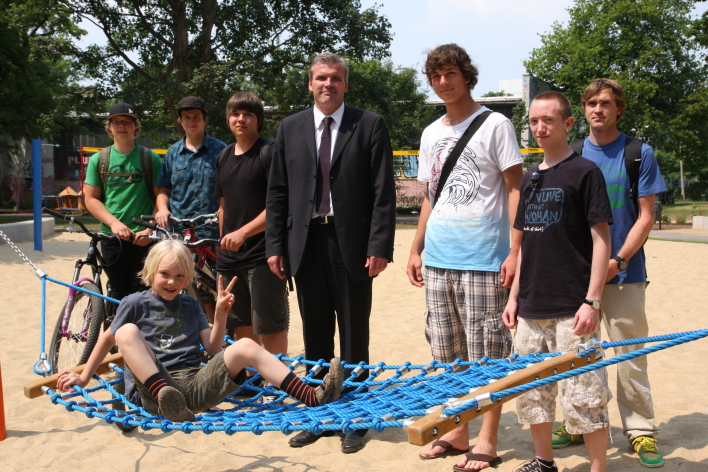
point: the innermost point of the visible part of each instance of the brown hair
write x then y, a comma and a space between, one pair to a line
564, 107
448, 54
247, 101
598, 85
135, 120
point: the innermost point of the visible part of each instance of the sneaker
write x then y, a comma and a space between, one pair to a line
173, 406
331, 386
649, 455
562, 438
536, 466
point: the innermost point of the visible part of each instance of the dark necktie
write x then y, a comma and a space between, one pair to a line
325, 159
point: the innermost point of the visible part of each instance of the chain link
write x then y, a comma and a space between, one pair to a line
17, 250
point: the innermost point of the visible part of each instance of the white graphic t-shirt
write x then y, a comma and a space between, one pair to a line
469, 227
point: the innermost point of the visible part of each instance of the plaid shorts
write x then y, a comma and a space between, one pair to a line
583, 398
463, 314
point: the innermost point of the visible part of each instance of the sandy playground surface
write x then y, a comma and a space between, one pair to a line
44, 436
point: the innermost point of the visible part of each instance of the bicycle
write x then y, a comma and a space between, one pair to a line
83, 315
203, 251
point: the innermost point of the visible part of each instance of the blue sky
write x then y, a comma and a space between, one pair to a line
498, 34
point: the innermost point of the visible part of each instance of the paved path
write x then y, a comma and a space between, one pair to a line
679, 236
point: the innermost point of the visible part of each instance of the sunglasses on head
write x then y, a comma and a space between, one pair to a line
536, 177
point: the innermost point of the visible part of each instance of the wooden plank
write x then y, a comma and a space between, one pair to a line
34, 389
432, 426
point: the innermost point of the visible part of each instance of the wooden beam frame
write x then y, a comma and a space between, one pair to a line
34, 389
432, 426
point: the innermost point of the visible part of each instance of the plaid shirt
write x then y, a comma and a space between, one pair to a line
190, 177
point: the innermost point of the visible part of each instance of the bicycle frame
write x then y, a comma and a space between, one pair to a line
92, 261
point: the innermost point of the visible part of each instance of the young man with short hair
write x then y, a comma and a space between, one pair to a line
119, 195
466, 237
261, 307
555, 300
623, 296
187, 177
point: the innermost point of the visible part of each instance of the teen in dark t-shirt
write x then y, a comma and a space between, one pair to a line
242, 181
562, 205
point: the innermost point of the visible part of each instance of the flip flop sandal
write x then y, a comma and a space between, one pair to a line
448, 450
471, 456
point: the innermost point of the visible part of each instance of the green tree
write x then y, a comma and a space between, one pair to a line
393, 92
36, 69
649, 48
160, 51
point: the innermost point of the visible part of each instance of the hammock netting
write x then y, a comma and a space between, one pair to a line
391, 395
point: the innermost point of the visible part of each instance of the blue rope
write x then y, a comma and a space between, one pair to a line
375, 403
76, 287
42, 366
671, 340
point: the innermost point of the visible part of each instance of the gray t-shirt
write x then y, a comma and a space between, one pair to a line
171, 329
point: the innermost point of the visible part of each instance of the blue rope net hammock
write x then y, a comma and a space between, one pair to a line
389, 398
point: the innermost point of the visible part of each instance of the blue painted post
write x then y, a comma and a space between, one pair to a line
37, 192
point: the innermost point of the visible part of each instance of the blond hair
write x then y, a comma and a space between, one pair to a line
163, 248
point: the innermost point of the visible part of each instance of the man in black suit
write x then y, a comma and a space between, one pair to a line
330, 218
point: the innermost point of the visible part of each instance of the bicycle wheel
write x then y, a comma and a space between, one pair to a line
82, 330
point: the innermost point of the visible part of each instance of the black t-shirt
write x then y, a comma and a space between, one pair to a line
243, 182
556, 248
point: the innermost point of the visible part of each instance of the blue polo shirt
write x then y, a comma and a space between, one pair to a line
190, 177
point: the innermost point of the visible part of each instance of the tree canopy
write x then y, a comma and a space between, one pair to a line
162, 50
36, 70
651, 49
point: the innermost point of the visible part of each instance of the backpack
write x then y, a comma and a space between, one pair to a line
104, 158
263, 155
632, 162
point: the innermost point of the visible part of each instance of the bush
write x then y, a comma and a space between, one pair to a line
681, 220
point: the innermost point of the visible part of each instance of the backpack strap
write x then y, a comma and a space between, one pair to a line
223, 153
632, 162
104, 160
451, 160
265, 156
146, 171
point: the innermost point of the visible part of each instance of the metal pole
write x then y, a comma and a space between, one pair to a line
37, 192
683, 191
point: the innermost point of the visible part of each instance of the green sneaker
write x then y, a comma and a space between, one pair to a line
649, 455
561, 438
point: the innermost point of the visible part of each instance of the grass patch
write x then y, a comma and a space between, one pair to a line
681, 211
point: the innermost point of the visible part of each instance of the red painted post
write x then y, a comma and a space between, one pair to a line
3, 431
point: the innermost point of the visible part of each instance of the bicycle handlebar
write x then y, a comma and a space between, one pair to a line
71, 219
156, 227
190, 223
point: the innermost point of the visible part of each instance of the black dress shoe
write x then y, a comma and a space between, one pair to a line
304, 438
353, 442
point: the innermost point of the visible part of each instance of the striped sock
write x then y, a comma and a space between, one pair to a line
296, 388
154, 384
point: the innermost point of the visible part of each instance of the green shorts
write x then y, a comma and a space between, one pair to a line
203, 386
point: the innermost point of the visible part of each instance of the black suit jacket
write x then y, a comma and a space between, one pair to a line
361, 183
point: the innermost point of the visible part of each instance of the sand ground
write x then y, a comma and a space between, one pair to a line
44, 436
